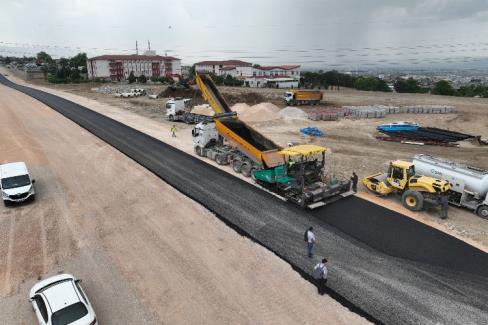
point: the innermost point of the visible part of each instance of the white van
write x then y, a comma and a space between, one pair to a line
16, 185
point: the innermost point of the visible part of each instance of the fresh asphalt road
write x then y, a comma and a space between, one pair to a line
389, 268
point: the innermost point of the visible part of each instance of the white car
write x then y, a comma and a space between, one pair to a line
127, 95
60, 300
16, 185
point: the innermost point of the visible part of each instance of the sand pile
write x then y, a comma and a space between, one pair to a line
257, 113
293, 113
204, 109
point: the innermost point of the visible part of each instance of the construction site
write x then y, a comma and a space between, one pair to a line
190, 205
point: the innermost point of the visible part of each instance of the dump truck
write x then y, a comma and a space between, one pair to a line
303, 97
295, 173
177, 109
469, 185
401, 178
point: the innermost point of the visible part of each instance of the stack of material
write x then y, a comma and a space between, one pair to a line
373, 111
312, 131
428, 109
326, 114
426, 135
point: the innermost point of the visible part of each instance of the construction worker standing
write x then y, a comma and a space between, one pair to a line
354, 180
309, 237
444, 202
320, 275
173, 131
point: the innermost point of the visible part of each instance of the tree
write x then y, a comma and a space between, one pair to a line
443, 87
132, 78
78, 60
191, 72
43, 57
371, 84
407, 86
142, 79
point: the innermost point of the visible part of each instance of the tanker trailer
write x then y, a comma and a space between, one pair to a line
469, 185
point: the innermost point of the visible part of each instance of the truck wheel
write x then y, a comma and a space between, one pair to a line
483, 211
198, 151
6, 203
219, 159
253, 170
171, 118
246, 169
413, 200
237, 165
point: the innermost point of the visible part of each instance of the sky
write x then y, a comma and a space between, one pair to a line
345, 34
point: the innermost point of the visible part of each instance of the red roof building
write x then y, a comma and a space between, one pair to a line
119, 67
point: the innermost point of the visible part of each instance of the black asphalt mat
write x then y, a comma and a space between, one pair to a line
382, 265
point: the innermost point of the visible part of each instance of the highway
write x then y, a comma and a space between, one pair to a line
386, 267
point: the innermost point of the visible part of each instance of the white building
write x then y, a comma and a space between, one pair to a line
119, 67
284, 76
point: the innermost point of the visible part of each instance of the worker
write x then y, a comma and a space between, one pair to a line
333, 180
173, 131
320, 273
444, 202
309, 237
354, 180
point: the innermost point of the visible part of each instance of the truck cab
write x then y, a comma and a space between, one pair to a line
176, 106
204, 134
288, 97
16, 184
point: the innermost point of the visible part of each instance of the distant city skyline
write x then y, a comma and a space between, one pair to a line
349, 35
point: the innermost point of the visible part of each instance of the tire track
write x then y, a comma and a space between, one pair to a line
8, 262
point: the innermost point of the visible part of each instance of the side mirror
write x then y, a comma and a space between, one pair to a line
78, 281
33, 181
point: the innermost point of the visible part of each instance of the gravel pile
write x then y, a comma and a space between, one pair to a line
293, 113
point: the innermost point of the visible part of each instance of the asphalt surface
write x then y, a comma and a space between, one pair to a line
384, 266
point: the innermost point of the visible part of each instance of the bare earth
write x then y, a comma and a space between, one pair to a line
351, 143
147, 254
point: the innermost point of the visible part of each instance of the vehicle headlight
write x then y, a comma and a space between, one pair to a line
4, 195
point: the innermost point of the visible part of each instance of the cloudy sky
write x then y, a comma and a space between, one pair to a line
346, 34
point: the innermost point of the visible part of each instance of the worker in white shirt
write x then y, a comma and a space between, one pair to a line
310, 239
320, 275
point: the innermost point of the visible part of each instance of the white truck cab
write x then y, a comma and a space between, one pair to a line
175, 107
203, 134
288, 97
16, 185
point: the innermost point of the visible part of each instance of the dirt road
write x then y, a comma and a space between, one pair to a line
147, 254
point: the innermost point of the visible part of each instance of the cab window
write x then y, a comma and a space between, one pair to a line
397, 173
411, 171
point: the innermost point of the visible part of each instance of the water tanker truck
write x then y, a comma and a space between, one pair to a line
469, 185
303, 97
295, 173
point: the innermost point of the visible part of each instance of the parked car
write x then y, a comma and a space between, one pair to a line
128, 94
61, 300
16, 185
117, 94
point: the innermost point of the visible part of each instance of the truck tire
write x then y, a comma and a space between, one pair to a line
171, 118
199, 151
253, 169
219, 159
483, 211
6, 203
246, 169
237, 165
413, 200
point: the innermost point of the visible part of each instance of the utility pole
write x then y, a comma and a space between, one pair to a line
149, 45
137, 49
